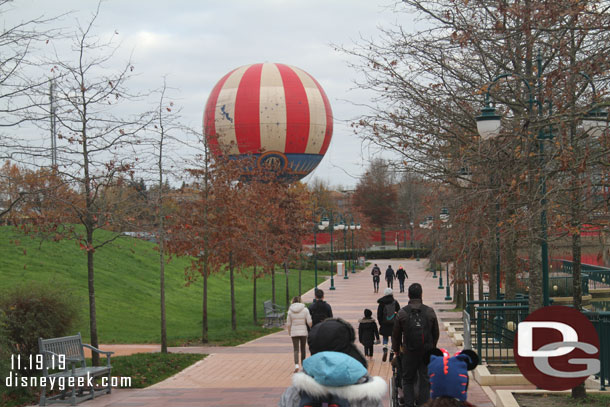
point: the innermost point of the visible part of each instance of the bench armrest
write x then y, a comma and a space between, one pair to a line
93, 348
277, 308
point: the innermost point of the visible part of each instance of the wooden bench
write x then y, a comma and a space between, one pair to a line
72, 349
274, 314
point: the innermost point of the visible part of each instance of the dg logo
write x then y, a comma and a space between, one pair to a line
557, 348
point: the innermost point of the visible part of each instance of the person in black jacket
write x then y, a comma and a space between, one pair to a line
415, 332
390, 276
368, 333
376, 273
319, 309
386, 315
401, 275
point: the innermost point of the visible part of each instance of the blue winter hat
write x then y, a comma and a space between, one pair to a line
334, 368
449, 374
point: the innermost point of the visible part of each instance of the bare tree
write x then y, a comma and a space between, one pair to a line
98, 143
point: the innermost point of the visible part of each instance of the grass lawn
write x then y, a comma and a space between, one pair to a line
127, 289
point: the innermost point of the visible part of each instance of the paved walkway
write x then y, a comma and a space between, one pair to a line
256, 373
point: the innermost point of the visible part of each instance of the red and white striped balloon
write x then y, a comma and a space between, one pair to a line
278, 113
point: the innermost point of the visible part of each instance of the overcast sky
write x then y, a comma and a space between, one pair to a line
195, 43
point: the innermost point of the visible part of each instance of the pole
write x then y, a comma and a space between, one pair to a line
332, 281
497, 253
353, 253
315, 255
544, 248
345, 277
440, 281
448, 296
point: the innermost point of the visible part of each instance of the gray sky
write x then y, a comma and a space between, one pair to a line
194, 43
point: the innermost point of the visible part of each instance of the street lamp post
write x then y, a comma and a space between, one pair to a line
345, 228
411, 230
448, 294
440, 281
488, 126
317, 226
354, 227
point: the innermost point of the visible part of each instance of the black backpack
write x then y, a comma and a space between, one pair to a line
318, 312
415, 329
325, 401
389, 312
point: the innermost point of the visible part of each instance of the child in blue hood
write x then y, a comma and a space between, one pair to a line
335, 373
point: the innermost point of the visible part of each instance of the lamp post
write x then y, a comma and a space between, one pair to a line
440, 281
448, 294
344, 226
411, 230
332, 227
354, 227
488, 126
327, 222
317, 225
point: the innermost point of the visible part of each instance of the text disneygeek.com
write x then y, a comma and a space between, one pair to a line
61, 383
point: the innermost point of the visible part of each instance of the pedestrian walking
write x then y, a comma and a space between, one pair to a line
386, 315
336, 373
376, 273
298, 321
401, 275
416, 329
368, 334
319, 309
390, 276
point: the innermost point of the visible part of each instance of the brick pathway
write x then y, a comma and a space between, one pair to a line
256, 373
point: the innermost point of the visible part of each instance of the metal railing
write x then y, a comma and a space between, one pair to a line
467, 332
601, 322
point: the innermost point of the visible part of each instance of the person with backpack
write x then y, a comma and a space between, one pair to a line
368, 333
336, 372
386, 315
415, 332
319, 309
401, 275
390, 276
376, 273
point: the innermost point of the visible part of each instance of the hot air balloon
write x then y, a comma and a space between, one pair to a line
275, 113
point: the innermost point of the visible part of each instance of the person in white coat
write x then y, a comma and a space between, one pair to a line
298, 321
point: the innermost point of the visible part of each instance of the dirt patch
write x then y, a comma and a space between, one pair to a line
495, 369
561, 400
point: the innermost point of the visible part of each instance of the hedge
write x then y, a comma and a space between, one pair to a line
378, 254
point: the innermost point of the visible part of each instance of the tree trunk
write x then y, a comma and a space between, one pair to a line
273, 284
95, 357
511, 265
232, 281
254, 316
535, 275
287, 285
460, 292
204, 321
162, 289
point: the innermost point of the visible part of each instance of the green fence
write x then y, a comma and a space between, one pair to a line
601, 321
489, 327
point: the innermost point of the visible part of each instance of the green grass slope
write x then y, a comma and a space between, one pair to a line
127, 289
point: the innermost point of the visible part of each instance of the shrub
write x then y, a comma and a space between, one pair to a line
381, 254
35, 310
